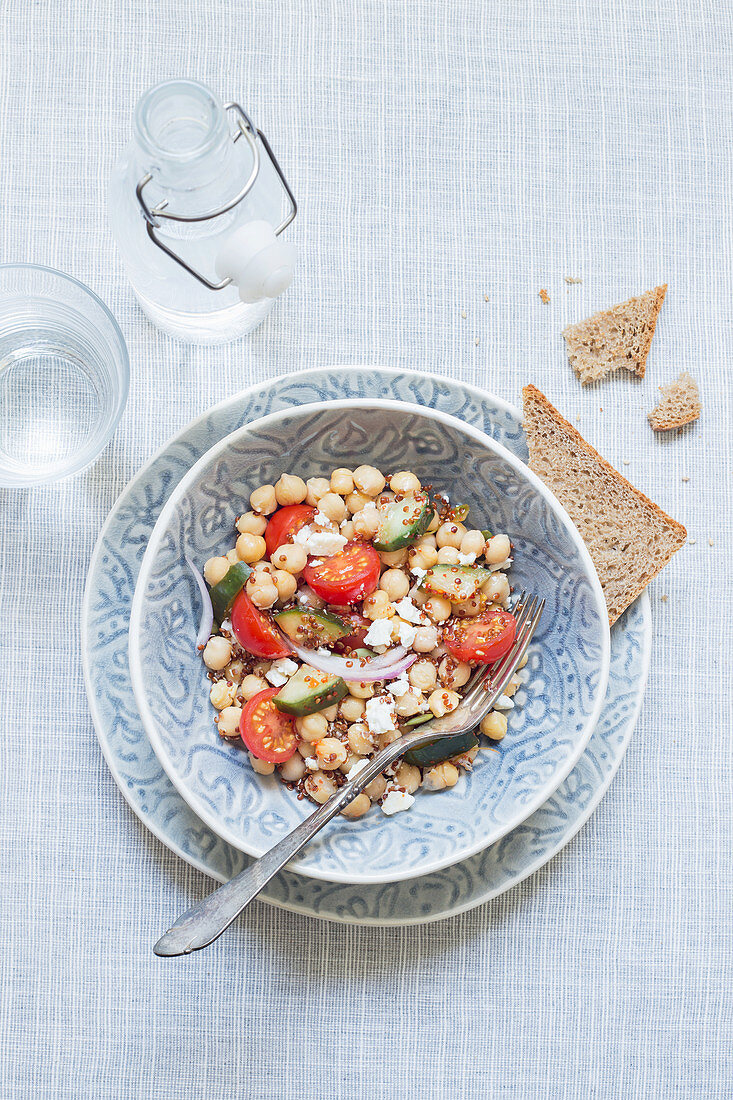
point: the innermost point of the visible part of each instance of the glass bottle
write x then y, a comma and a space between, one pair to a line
198, 201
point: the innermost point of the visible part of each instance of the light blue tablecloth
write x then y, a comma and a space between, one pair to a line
441, 153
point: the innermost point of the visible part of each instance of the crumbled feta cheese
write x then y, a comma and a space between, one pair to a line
323, 652
418, 572
311, 763
279, 671
407, 634
396, 800
380, 715
321, 520
406, 610
504, 702
325, 542
399, 687
500, 565
303, 534
357, 767
466, 559
369, 507
316, 561
379, 633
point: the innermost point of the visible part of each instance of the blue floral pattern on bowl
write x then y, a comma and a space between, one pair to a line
153, 798
555, 714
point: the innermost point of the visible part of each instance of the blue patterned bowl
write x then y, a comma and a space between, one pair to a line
555, 714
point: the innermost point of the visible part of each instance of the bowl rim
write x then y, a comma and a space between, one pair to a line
136, 664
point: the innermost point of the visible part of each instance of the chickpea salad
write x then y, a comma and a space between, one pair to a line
350, 608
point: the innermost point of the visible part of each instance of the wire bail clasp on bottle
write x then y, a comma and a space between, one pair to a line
155, 216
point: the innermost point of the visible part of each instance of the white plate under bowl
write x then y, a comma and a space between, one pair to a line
568, 665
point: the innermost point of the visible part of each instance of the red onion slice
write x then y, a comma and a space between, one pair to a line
353, 668
207, 611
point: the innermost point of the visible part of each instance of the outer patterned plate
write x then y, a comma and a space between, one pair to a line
113, 573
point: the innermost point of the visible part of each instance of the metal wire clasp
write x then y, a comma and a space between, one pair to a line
246, 129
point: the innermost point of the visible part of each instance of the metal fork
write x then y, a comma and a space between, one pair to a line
205, 922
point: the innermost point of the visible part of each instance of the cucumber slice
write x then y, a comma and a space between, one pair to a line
460, 512
403, 521
312, 628
226, 591
487, 534
367, 654
309, 690
437, 751
455, 582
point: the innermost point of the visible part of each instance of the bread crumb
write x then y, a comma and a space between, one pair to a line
685, 478
463, 313
486, 297
692, 541
710, 542
475, 339
664, 599
627, 461
544, 296
572, 280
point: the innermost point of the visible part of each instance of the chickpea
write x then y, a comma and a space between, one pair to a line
423, 557
387, 738
365, 523
317, 487
473, 542
443, 702
496, 587
352, 709
265, 569
217, 653
229, 721
330, 753
434, 524
262, 767
393, 557
404, 482
368, 480
320, 787
422, 675
376, 788
361, 691
440, 777
251, 524
333, 507
450, 534
454, 674
292, 557
494, 725
361, 741
378, 606
395, 583
355, 501
261, 668
498, 549
312, 727
408, 776
438, 608
426, 639
216, 570
331, 713
233, 671
347, 530
222, 694
261, 595
252, 685
384, 498
425, 541
351, 759
448, 555
468, 609
286, 585
251, 548
358, 806
305, 748
512, 686
524, 660
263, 500
293, 769
408, 704
233, 557
290, 489
342, 482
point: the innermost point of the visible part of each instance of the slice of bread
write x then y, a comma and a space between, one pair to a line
680, 404
617, 337
628, 537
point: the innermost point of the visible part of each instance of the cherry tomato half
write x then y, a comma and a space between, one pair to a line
284, 523
346, 577
254, 631
483, 640
266, 731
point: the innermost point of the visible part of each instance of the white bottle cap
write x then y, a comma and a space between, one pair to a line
259, 264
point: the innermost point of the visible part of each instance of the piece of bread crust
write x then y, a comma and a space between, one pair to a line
629, 538
615, 338
680, 404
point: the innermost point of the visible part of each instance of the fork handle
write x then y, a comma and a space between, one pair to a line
205, 921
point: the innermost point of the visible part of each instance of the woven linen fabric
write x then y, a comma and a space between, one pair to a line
449, 159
